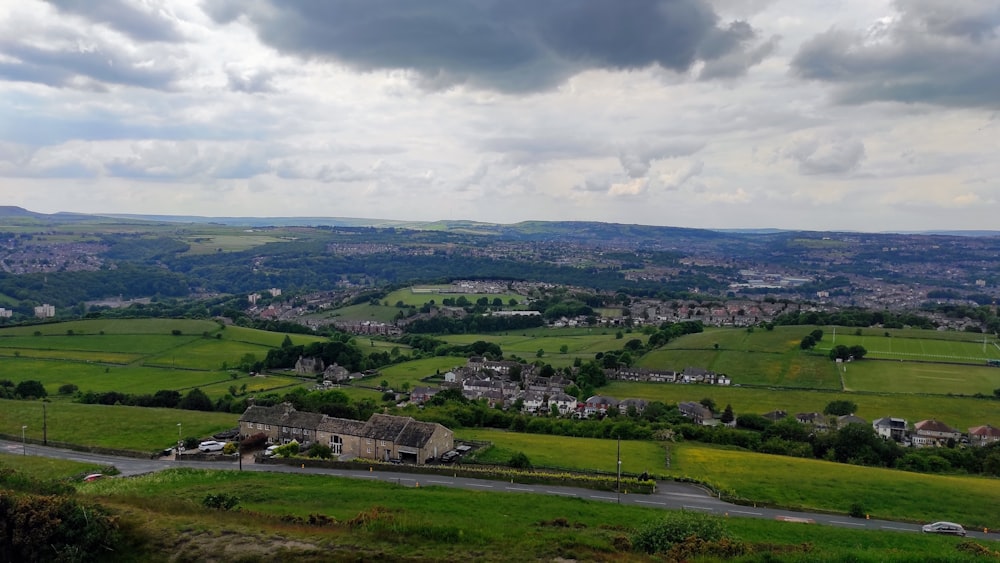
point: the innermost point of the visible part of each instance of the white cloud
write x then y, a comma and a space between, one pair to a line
206, 115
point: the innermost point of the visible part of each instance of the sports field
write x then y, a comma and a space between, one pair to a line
925, 348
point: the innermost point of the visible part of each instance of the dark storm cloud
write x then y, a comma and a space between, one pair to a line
139, 23
59, 68
509, 45
943, 52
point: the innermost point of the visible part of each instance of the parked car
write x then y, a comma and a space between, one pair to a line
93, 477
269, 451
944, 528
450, 456
211, 446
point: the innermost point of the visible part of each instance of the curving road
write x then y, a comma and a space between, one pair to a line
669, 495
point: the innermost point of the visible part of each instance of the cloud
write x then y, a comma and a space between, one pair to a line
829, 155
677, 178
637, 157
942, 52
139, 20
503, 45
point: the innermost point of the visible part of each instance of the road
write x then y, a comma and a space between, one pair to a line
669, 494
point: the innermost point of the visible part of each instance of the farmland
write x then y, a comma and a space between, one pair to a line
139, 356
819, 485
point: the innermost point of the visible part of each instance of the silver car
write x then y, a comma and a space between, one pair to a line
944, 528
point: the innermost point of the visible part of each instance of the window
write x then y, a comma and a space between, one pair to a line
368, 441
267, 427
260, 426
369, 450
381, 442
337, 445
284, 429
306, 432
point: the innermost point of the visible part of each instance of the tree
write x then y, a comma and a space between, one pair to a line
841, 407
321, 451
708, 403
817, 335
539, 353
196, 400
68, 389
563, 349
727, 415
808, 342
31, 389
287, 342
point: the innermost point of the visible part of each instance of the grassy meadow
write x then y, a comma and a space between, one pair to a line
818, 485
393, 522
119, 427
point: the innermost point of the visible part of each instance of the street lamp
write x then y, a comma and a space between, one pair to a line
178, 439
24, 444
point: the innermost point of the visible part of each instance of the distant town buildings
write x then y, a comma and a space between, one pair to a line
6, 313
45, 311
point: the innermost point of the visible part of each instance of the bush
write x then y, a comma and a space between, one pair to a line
321, 451
68, 389
857, 510
659, 535
220, 501
55, 528
253, 442
519, 461
287, 450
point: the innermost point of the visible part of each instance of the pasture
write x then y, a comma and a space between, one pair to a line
958, 412
138, 356
434, 523
525, 344
819, 485
110, 426
439, 293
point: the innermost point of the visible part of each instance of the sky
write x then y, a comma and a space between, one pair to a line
830, 115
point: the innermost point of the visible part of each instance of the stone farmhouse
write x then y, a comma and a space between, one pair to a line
983, 435
382, 437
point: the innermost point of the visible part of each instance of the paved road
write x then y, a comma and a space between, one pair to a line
669, 495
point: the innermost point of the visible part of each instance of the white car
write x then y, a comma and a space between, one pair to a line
211, 446
944, 528
270, 450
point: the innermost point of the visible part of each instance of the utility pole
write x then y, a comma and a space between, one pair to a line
619, 485
45, 426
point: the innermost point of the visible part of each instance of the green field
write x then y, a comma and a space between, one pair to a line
957, 412
920, 377
818, 485
140, 356
129, 428
922, 348
579, 343
384, 521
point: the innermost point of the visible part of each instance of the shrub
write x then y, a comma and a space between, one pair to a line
287, 450
220, 501
659, 535
321, 451
55, 528
230, 448
253, 442
519, 461
68, 389
857, 510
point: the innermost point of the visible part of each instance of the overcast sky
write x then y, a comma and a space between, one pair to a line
864, 115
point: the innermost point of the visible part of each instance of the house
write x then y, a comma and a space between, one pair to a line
421, 395
933, 433
565, 403
775, 415
846, 419
280, 423
599, 405
890, 428
382, 437
696, 412
534, 401
812, 418
983, 435
334, 373
308, 366
638, 404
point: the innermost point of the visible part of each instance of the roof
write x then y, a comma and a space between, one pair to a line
416, 434
933, 426
343, 426
384, 426
986, 431
281, 415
